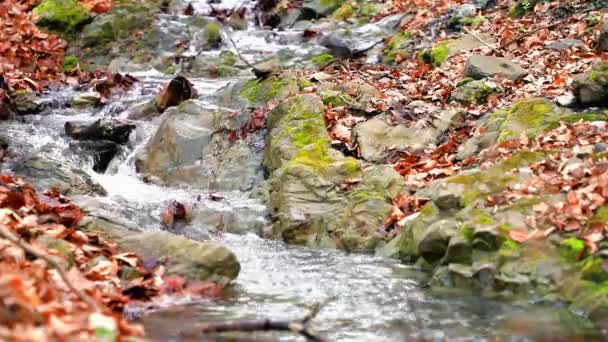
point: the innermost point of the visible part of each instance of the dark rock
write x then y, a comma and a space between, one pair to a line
591, 88
47, 173
176, 92
434, 243
474, 92
314, 9
564, 44
3, 147
603, 38
487, 238
479, 66
102, 151
100, 130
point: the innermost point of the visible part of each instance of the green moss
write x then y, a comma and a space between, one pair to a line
351, 166
250, 91
170, 69
368, 10
600, 215
571, 248
322, 59
484, 219
304, 83
344, 12
117, 25
593, 270
396, 46
599, 72
70, 63
521, 8
436, 55
473, 21
335, 98
228, 57
531, 116
467, 232
212, 34
509, 249
429, 209
61, 16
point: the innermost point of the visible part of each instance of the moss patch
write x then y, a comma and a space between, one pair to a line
344, 12
396, 46
212, 34
70, 63
322, 59
61, 16
521, 8
571, 248
437, 55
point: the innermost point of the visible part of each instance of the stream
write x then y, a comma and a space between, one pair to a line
372, 299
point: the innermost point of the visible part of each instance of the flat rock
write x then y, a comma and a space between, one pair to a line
564, 44
479, 66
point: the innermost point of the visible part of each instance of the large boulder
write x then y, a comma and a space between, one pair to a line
192, 146
193, 259
61, 16
479, 66
237, 95
307, 206
376, 135
591, 88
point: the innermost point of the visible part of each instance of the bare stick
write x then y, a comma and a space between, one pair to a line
301, 327
479, 38
6, 233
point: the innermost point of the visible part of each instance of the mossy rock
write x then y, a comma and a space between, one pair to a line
322, 59
437, 55
118, 23
70, 63
530, 116
274, 88
591, 88
61, 16
521, 8
474, 91
398, 45
414, 232
212, 36
344, 12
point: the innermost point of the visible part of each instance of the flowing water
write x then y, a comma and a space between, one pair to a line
372, 299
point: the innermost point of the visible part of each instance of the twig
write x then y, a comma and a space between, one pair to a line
7, 234
301, 327
479, 38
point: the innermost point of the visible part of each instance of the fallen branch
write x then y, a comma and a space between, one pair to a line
301, 327
6, 233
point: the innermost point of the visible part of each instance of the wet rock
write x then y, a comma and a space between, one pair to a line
192, 146
479, 66
356, 228
177, 91
210, 37
127, 31
376, 135
474, 92
238, 95
487, 238
62, 16
415, 231
314, 9
89, 99
591, 88
531, 116
101, 129
3, 147
603, 38
564, 44
26, 102
102, 152
215, 67
46, 173
196, 260
434, 243
459, 250
306, 205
